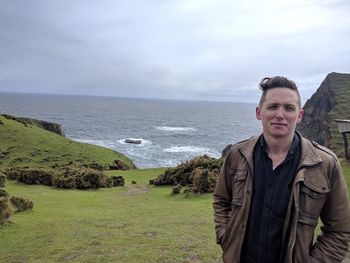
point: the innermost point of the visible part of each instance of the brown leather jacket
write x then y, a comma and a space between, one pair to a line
319, 191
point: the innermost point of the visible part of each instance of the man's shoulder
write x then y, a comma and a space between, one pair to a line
244, 143
322, 150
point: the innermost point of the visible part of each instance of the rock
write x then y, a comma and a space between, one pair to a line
329, 102
134, 141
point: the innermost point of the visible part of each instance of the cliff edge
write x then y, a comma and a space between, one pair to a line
331, 101
49, 126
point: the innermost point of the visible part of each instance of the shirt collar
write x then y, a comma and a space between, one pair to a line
292, 149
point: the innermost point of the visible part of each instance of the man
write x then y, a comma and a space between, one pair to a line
273, 188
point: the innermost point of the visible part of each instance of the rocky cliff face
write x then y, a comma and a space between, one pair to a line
331, 101
49, 126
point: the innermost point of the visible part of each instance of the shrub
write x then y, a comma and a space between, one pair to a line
3, 193
62, 181
82, 178
97, 166
31, 175
21, 203
118, 180
2, 180
204, 181
119, 165
72, 176
177, 189
109, 182
11, 173
87, 180
5, 209
183, 173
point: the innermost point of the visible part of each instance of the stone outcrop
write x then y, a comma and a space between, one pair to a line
49, 126
134, 141
331, 101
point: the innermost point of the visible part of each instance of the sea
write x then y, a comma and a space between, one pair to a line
171, 131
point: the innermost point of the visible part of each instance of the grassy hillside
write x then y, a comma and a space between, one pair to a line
27, 145
341, 86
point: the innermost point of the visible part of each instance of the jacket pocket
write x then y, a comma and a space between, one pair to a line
238, 186
311, 203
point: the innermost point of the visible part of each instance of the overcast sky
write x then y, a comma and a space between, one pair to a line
180, 49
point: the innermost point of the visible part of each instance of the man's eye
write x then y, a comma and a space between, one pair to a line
290, 108
272, 107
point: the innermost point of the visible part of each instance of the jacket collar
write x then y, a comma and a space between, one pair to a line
308, 157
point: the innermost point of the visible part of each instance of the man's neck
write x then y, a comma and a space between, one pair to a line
279, 145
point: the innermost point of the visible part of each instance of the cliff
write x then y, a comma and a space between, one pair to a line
331, 101
49, 126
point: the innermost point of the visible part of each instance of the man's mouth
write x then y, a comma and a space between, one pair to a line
279, 124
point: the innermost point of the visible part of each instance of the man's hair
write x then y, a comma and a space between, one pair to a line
277, 82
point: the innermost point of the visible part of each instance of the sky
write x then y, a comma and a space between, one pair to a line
172, 49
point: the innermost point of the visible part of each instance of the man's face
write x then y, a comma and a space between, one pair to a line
280, 112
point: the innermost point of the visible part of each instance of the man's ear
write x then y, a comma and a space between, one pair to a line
258, 113
300, 116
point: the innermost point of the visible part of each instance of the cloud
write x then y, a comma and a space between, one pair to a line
170, 49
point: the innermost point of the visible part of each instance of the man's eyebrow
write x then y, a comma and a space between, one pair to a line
289, 105
273, 104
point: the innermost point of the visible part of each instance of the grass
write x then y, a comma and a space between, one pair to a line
346, 171
27, 145
135, 223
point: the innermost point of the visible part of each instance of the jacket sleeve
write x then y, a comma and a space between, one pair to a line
222, 199
332, 244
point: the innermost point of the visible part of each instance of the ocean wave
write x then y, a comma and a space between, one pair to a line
190, 149
181, 129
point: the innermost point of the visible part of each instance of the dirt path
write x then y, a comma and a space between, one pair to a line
135, 190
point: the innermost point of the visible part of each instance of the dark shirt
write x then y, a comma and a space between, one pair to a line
271, 192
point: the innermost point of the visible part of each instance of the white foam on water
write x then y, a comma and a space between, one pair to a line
191, 149
107, 144
176, 129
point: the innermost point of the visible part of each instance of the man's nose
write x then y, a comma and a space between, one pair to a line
280, 114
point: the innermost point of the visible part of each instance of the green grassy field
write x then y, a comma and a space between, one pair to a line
31, 146
135, 223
